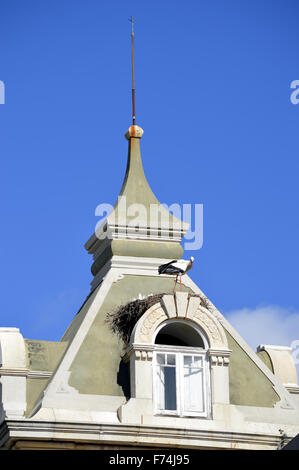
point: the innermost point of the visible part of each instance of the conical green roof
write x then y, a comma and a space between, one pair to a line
136, 201
139, 225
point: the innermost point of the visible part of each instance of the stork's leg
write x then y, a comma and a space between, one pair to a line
180, 283
175, 284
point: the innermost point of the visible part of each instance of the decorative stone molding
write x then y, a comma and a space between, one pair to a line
292, 388
168, 305
34, 434
194, 304
211, 326
144, 355
31, 374
182, 307
219, 357
124, 265
181, 300
141, 352
14, 372
187, 309
144, 330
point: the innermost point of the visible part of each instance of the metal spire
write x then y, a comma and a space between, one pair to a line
132, 20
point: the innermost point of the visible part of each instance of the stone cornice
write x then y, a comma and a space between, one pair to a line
134, 265
292, 388
19, 372
14, 371
143, 435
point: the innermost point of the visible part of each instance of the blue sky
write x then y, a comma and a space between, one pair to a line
213, 97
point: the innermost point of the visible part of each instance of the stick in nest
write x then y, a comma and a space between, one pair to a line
123, 320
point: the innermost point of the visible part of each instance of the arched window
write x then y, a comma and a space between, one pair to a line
178, 333
179, 359
181, 376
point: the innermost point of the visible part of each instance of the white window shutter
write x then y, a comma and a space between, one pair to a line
193, 384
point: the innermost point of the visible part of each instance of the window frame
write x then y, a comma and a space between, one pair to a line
180, 352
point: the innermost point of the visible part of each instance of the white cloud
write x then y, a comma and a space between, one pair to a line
269, 324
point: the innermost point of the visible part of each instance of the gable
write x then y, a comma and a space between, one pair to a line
248, 385
97, 367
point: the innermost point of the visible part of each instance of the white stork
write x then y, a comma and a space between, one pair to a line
176, 267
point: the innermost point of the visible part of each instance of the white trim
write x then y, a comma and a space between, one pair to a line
31, 374
267, 437
14, 371
180, 353
168, 348
264, 347
39, 374
134, 265
292, 388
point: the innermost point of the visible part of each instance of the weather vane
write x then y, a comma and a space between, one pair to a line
132, 20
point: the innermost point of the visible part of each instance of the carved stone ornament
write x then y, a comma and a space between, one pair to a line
181, 307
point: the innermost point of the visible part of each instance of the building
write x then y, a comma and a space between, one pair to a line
141, 366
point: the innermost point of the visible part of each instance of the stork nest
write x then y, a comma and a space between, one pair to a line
125, 317
123, 320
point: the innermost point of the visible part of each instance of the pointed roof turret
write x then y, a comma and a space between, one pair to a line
137, 216
139, 225
136, 201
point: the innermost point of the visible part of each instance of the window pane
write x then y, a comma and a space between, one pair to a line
193, 389
170, 388
171, 359
187, 360
160, 388
190, 382
197, 361
161, 358
166, 388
